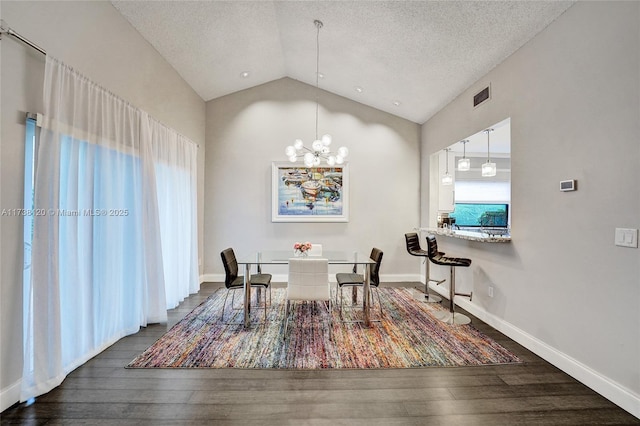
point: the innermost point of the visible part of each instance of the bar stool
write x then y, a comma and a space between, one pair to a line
414, 249
439, 258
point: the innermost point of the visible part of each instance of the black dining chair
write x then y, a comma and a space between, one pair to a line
353, 279
233, 281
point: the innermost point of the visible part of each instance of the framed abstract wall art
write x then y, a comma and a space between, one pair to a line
309, 194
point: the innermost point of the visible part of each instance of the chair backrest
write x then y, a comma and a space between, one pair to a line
376, 254
432, 247
413, 242
316, 250
308, 279
230, 266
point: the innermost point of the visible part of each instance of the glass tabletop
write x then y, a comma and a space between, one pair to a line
281, 257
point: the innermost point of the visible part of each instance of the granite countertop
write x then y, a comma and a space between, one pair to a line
469, 235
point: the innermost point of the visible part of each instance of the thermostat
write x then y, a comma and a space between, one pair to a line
568, 185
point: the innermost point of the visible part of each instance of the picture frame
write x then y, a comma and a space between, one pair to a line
309, 194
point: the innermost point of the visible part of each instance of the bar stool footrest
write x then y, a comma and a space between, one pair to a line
469, 295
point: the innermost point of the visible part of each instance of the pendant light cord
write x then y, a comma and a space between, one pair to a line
488, 148
447, 160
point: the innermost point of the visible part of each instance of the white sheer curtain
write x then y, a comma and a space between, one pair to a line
97, 254
175, 160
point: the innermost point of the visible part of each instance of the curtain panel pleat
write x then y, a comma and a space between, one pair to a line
118, 244
175, 160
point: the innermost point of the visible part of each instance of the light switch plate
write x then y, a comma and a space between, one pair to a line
626, 237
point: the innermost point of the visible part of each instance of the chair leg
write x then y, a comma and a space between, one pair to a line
286, 315
379, 302
452, 288
225, 303
265, 298
233, 298
372, 299
265, 306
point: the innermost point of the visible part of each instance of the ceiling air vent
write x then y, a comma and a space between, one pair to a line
482, 96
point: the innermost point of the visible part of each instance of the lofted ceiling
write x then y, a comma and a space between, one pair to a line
419, 55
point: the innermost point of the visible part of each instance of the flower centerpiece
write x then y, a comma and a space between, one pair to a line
301, 249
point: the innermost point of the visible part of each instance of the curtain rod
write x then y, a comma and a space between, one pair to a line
4, 29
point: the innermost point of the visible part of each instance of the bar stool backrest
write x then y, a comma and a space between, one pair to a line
413, 243
432, 247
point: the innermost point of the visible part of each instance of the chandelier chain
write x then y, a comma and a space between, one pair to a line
318, 26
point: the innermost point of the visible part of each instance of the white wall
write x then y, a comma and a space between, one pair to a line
562, 287
97, 41
248, 130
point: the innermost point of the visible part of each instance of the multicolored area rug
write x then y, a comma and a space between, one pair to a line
407, 336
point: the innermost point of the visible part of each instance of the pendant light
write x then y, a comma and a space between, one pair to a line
464, 164
488, 168
447, 179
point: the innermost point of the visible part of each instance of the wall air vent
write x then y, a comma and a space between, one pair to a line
482, 96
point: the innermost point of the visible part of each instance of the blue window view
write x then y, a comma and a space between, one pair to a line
476, 215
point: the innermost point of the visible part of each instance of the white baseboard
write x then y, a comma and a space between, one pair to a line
212, 278
611, 390
10, 395
400, 278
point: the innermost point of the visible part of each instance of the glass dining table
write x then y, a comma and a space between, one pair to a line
281, 257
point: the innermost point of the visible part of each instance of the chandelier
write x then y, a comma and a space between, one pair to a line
320, 146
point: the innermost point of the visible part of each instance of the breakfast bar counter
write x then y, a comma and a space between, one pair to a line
479, 236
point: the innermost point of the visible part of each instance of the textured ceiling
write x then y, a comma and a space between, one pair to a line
420, 53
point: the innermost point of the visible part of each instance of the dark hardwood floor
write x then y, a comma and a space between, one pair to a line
103, 392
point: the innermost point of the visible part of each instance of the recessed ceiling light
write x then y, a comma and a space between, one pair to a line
396, 103
244, 74
358, 89
320, 75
